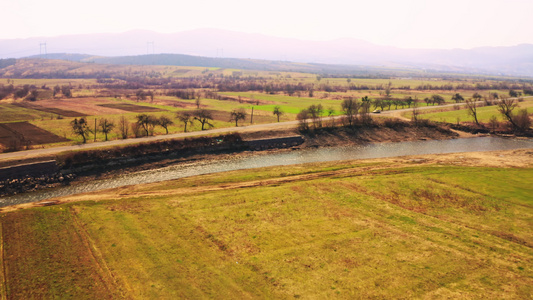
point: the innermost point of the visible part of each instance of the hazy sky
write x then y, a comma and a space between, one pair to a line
402, 23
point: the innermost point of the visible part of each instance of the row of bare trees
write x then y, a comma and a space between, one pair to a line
354, 112
146, 123
519, 122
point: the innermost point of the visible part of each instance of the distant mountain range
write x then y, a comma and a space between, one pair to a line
214, 43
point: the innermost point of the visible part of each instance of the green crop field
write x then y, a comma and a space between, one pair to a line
484, 114
13, 113
377, 229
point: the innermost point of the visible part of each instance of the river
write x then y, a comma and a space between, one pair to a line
277, 159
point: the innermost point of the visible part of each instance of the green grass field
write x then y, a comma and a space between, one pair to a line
484, 114
343, 229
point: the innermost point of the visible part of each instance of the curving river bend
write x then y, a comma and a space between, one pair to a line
277, 159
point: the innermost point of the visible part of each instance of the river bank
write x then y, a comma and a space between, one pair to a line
248, 160
85, 166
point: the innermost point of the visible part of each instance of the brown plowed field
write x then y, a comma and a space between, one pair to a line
52, 110
84, 106
176, 103
130, 107
18, 131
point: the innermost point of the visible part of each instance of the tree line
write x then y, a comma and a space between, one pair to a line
145, 124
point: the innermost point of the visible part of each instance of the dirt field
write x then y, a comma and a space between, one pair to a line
30, 134
176, 103
130, 107
87, 106
50, 109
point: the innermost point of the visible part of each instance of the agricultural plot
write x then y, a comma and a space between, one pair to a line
26, 133
87, 106
14, 113
377, 229
50, 110
131, 107
289, 104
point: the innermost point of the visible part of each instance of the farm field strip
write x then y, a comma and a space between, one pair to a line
50, 110
27, 133
131, 107
484, 113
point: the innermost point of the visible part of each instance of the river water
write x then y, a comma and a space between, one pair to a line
277, 159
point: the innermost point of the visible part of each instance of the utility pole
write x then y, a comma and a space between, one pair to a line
95, 129
252, 117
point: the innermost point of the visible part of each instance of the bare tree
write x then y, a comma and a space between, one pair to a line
493, 121
81, 127
123, 125
415, 113
388, 89
471, 107
506, 107
197, 102
303, 117
315, 112
457, 98
147, 122
350, 108
438, 99
236, 115
331, 113
277, 111
522, 120
408, 101
185, 118
106, 126
141, 95
365, 110
203, 116
136, 129
164, 122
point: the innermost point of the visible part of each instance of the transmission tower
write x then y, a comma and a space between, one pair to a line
42, 50
148, 45
220, 52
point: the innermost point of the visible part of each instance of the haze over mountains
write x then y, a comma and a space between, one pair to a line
515, 61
